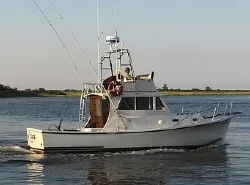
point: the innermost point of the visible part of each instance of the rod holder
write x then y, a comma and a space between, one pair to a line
214, 113
225, 110
231, 107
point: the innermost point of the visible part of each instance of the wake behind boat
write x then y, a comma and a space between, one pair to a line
125, 112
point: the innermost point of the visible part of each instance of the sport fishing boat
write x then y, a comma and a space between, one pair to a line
125, 111
121, 113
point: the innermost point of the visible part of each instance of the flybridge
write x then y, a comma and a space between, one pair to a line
115, 48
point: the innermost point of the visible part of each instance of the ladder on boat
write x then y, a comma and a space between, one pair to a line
82, 111
86, 90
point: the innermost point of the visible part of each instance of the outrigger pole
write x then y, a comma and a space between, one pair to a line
64, 45
57, 34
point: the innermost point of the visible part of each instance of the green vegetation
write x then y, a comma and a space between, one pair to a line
73, 93
66, 92
208, 91
205, 93
6, 91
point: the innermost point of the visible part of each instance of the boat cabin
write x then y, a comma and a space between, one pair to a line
138, 96
121, 95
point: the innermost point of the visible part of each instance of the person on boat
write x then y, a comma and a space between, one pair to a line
127, 74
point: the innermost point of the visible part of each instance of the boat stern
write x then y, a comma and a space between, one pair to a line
35, 139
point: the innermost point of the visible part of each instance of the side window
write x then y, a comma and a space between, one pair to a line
144, 103
127, 103
159, 104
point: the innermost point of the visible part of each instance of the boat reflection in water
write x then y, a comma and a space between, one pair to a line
144, 167
35, 169
161, 168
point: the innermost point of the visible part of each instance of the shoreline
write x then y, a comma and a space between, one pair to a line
166, 93
207, 93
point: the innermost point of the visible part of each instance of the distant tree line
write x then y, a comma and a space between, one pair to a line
42, 90
71, 90
5, 88
166, 88
6, 91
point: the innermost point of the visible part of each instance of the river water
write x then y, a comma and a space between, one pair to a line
226, 162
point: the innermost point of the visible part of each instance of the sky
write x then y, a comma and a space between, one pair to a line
187, 43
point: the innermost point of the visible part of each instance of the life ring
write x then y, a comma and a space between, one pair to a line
115, 88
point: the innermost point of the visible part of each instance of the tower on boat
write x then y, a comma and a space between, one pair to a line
121, 90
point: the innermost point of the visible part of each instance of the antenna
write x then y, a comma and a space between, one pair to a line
78, 44
117, 63
98, 45
114, 17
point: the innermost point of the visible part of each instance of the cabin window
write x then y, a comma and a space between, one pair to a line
159, 104
127, 103
144, 103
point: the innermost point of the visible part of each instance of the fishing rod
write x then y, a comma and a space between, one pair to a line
63, 44
80, 47
77, 42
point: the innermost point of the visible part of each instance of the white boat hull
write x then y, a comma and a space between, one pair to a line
70, 141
